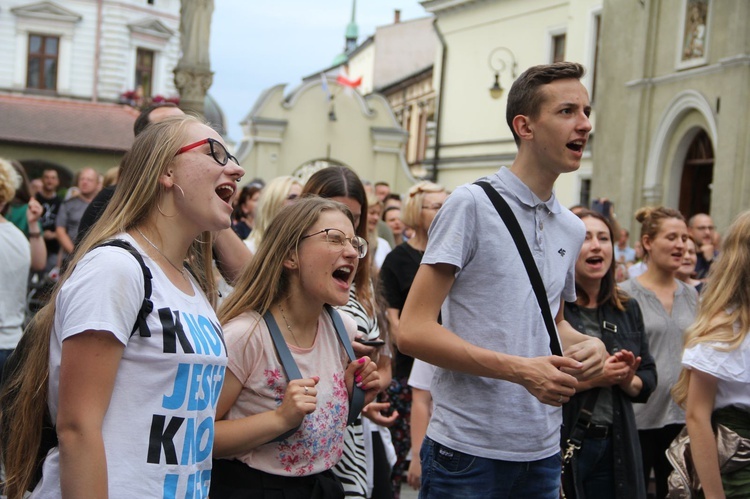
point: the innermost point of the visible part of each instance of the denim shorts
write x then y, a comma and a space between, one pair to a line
449, 473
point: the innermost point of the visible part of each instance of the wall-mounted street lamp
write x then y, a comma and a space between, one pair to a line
501, 59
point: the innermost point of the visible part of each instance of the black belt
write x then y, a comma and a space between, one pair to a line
599, 431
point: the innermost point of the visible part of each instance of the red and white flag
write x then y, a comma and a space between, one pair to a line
345, 81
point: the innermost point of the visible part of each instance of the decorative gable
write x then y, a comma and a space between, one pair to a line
151, 27
48, 11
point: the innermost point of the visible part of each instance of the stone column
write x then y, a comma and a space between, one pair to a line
193, 75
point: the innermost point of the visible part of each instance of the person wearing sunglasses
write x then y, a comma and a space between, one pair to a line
307, 259
128, 334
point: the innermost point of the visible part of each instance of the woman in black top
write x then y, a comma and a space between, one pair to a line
397, 275
609, 462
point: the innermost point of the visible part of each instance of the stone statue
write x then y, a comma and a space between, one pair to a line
195, 32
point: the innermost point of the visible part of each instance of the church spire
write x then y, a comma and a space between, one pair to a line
352, 31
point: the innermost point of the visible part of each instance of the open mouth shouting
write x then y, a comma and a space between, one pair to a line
225, 192
344, 275
576, 146
596, 262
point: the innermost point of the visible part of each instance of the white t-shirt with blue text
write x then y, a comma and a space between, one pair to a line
159, 428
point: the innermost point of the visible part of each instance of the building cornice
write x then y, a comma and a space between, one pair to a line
441, 6
738, 60
47, 11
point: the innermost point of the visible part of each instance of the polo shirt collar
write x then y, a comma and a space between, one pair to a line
523, 193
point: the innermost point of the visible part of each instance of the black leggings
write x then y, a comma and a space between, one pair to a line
653, 445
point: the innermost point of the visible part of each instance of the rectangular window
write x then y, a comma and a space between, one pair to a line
144, 72
41, 69
597, 41
585, 195
558, 48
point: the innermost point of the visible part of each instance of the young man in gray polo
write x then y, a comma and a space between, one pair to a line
495, 430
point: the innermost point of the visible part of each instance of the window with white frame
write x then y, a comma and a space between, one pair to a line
144, 71
42, 62
558, 47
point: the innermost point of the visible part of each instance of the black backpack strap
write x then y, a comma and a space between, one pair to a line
147, 306
528, 261
357, 401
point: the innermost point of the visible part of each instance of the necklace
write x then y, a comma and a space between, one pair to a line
289, 328
178, 269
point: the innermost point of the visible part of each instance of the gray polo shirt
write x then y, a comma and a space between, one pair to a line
492, 304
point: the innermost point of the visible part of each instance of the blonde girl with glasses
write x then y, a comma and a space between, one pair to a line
307, 259
124, 390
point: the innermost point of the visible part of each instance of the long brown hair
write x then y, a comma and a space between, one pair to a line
608, 290
724, 308
23, 401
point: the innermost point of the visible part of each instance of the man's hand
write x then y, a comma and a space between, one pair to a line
707, 250
547, 378
590, 352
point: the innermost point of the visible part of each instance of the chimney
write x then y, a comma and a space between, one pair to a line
396, 16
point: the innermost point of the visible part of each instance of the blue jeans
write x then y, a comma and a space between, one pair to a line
595, 468
450, 473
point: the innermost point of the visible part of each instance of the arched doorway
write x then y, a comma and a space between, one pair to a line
697, 176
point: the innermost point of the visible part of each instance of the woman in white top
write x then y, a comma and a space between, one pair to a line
18, 255
714, 386
130, 389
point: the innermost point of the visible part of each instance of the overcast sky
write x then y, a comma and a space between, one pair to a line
257, 44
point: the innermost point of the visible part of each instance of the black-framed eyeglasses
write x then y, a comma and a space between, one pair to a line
338, 239
218, 151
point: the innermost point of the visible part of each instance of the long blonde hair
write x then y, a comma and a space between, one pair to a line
724, 308
265, 280
23, 401
272, 199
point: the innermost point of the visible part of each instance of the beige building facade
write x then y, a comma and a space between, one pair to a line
673, 99
305, 130
503, 37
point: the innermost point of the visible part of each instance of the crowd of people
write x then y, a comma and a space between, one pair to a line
325, 337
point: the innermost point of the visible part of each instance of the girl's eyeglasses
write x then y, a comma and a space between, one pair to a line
218, 151
338, 239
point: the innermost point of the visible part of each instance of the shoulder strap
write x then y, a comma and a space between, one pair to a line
357, 401
147, 306
287, 361
528, 261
